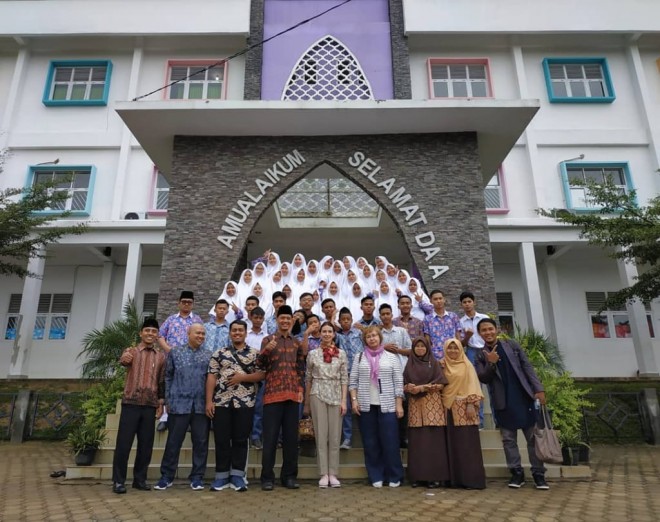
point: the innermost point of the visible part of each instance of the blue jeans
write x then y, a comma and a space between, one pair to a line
347, 421
472, 357
258, 423
380, 438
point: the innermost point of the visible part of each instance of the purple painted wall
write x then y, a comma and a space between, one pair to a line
362, 25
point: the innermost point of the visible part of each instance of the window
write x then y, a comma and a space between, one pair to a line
200, 80
459, 78
149, 305
160, 195
77, 182
505, 312
78, 82
13, 317
578, 80
611, 323
495, 195
577, 198
327, 71
53, 313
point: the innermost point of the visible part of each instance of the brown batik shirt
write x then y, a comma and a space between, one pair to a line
145, 378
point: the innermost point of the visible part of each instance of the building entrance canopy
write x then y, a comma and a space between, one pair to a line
497, 123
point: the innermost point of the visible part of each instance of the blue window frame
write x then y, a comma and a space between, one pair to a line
76, 180
578, 80
577, 196
77, 82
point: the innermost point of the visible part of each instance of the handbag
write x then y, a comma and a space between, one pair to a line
546, 442
305, 429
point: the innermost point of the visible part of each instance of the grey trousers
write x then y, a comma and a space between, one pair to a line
512, 453
327, 430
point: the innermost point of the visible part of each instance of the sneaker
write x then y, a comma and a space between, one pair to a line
219, 484
345, 445
540, 483
238, 483
323, 482
163, 484
517, 479
378, 484
395, 484
257, 444
197, 485
334, 482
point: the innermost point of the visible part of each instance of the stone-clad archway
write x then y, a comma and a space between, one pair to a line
430, 185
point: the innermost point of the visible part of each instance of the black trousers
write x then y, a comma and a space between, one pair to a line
140, 421
282, 415
177, 426
231, 430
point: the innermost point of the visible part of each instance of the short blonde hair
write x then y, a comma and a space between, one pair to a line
369, 329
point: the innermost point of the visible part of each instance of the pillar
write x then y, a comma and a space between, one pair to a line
530, 278
132, 276
20, 360
104, 295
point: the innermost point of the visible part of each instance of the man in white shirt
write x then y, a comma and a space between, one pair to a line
475, 342
255, 335
397, 341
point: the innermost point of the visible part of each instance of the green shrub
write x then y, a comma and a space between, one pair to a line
102, 399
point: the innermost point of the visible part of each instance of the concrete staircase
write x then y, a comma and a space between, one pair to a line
351, 461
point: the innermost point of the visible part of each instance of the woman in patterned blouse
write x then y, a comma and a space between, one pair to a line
461, 398
326, 385
423, 380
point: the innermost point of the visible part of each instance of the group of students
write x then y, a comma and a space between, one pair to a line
409, 381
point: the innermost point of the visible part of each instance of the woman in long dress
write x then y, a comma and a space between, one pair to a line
461, 398
423, 381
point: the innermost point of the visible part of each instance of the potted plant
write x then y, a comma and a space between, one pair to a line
83, 441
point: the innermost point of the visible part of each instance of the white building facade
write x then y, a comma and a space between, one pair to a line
67, 66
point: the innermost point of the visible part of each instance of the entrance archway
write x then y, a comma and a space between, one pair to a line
429, 185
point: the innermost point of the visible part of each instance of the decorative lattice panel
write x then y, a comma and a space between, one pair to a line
327, 71
326, 198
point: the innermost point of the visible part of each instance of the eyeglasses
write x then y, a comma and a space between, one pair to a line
186, 301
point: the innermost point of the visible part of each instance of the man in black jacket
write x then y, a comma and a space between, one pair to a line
514, 387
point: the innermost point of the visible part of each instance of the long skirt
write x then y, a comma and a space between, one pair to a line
466, 464
427, 454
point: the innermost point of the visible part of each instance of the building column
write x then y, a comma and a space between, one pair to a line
104, 295
20, 360
13, 94
132, 276
557, 333
530, 277
646, 364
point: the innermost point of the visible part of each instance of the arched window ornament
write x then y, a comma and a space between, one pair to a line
327, 71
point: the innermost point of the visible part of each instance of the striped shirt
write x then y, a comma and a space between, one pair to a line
390, 381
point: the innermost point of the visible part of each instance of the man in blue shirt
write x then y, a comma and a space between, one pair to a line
185, 395
349, 339
217, 331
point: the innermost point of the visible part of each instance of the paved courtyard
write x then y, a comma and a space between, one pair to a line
624, 487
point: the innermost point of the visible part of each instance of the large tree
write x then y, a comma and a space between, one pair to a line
629, 232
24, 232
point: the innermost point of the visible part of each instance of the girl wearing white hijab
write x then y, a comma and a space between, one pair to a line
260, 275
386, 295
298, 261
391, 272
334, 292
276, 281
349, 262
244, 287
351, 279
313, 274
355, 300
264, 296
272, 262
229, 294
381, 276
338, 273
420, 301
402, 279
361, 261
380, 263
325, 267
299, 286
368, 278
287, 273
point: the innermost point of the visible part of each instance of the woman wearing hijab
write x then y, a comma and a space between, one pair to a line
313, 274
354, 300
368, 279
334, 292
244, 289
361, 261
402, 279
325, 266
229, 294
299, 285
420, 301
461, 398
326, 384
380, 263
423, 380
376, 389
273, 262
298, 262
386, 296
285, 268
349, 262
338, 273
